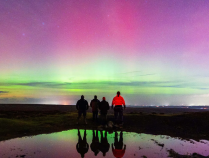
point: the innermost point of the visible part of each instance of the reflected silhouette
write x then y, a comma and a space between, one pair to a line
119, 150
104, 146
95, 143
82, 145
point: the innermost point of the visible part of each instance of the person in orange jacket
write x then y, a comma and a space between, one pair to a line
117, 103
120, 148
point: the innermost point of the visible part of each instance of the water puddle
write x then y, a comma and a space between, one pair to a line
89, 143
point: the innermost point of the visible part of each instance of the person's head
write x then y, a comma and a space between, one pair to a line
118, 93
95, 97
103, 98
82, 155
95, 153
82, 97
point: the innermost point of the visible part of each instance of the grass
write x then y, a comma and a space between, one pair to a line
18, 124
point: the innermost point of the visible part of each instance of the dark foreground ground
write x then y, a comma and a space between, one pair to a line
26, 120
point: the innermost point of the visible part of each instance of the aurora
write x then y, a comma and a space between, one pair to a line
153, 52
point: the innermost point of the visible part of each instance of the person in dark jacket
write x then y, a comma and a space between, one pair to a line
95, 106
104, 107
82, 106
95, 143
82, 145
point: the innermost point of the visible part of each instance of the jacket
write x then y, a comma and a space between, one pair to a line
82, 105
118, 100
95, 104
104, 106
119, 153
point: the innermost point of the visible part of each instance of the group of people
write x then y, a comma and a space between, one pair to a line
118, 103
118, 148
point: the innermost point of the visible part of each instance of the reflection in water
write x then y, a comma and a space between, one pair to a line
82, 145
104, 146
97, 146
118, 151
174, 154
95, 143
75, 143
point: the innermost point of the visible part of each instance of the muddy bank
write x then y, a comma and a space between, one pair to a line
26, 120
72, 108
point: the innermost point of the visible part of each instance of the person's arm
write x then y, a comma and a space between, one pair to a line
87, 104
124, 104
99, 105
91, 104
124, 147
77, 147
77, 107
108, 106
113, 102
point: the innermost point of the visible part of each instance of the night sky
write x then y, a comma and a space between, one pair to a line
153, 52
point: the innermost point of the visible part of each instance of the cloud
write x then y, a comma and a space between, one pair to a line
130, 72
14, 100
107, 84
201, 95
136, 73
4, 92
44, 84
146, 74
147, 84
102, 83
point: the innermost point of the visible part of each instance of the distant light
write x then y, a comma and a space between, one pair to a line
64, 103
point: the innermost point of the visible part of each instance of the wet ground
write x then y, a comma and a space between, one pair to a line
92, 143
26, 120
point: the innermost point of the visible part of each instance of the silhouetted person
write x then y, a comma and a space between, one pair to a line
104, 107
118, 102
119, 150
82, 106
104, 145
95, 143
82, 145
95, 106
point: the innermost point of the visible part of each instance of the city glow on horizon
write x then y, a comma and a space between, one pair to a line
153, 52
